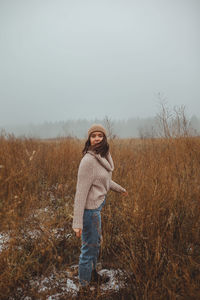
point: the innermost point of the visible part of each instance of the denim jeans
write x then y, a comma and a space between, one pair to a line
91, 238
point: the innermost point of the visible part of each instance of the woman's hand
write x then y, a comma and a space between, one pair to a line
60, 187
78, 231
125, 194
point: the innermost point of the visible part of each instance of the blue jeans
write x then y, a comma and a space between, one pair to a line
91, 238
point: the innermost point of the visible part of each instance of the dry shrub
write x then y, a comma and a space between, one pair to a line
153, 234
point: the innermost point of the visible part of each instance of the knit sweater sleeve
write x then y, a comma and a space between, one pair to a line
84, 182
116, 187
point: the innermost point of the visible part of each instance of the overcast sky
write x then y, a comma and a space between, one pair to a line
62, 59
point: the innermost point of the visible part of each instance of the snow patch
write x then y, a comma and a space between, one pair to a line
66, 286
4, 238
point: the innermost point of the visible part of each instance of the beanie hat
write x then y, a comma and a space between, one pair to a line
96, 127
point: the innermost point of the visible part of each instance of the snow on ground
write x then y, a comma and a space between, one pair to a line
33, 234
4, 238
66, 286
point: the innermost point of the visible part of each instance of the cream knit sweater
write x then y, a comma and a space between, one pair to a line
93, 182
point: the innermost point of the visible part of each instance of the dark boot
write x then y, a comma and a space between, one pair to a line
96, 278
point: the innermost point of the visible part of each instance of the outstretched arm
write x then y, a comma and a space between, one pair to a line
116, 187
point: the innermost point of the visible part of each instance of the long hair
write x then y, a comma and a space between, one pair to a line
101, 148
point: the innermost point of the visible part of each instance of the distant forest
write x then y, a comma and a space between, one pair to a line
130, 128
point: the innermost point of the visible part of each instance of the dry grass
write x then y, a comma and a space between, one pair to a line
153, 234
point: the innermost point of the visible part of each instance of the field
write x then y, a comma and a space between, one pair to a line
152, 236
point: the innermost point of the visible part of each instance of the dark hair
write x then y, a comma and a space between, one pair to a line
101, 148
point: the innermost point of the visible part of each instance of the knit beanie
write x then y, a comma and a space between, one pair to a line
96, 127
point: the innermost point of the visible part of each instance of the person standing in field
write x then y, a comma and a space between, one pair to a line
94, 180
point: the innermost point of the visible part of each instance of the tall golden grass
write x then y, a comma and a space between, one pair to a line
152, 235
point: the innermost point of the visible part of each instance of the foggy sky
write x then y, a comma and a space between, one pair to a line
76, 59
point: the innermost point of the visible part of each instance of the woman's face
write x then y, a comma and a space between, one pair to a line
96, 137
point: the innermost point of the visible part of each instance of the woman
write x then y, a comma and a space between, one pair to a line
93, 183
